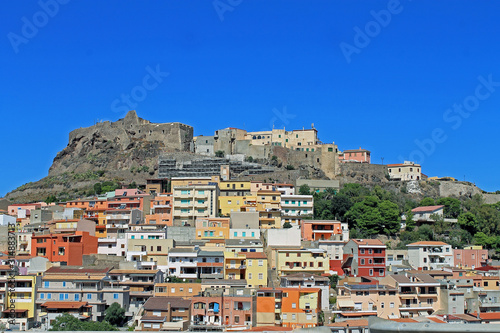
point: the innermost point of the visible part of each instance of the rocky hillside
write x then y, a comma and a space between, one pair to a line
123, 151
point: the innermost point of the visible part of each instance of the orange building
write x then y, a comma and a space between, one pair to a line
161, 209
288, 307
64, 248
171, 289
323, 230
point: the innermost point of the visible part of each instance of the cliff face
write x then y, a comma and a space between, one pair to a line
119, 145
125, 150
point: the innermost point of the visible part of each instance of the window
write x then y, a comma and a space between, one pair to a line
49, 296
362, 261
235, 234
249, 276
115, 296
371, 272
77, 297
294, 305
261, 262
172, 290
362, 251
89, 296
391, 305
190, 290
261, 276
253, 234
250, 262
42, 296
64, 284
243, 234
382, 305
46, 284
293, 316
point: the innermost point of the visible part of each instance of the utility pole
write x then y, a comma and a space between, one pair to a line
382, 160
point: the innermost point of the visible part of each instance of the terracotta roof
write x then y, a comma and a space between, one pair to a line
161, 303
358, 314
405, 320
74, 277
133, 271
426, 209
489, 315
64, 305
436, 320
269, 329
351, 323
76, 270
367, 242
466, 317
427, 243
254, 255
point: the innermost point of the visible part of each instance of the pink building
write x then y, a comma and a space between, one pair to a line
355, 155
470, 257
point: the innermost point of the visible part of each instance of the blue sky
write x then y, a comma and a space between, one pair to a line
377, 74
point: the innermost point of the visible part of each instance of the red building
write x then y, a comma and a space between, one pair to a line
64, 248
364, 257
470, 257
355, 155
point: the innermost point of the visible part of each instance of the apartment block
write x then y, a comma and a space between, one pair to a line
430, 255
194, 201
311, 261
365, 257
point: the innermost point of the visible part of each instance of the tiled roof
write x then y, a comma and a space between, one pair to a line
161, 303
489, 315
426, 209
404, 320
368, 242
64, 305
77, 270
351, 323
427, 243
133, 271
254, 255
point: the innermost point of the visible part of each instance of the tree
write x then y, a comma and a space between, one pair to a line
427, 202
468, 221
390, 216
290, 167
304, 189
173, 279
115, 315
50, 199
219, 153
249, 159
67, 322
97, 188
334, 279
410, 223
452, 207
287, 225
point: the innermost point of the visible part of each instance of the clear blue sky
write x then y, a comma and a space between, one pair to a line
383, 85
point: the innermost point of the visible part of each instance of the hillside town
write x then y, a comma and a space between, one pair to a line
197, 248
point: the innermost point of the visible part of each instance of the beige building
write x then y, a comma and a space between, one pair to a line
194, 201
405, 171
291, 261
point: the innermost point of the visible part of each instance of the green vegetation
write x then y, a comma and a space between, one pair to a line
304, 190
67, 322
143, 168
248, 158
290, 167
372, 212
287, 225
115, 315
219, 153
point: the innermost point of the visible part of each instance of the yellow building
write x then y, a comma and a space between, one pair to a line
234, 188
228, 204
312, 261
187, 181
24, 301
249, 266
212, 228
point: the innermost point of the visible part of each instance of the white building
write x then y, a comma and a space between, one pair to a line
295, 207
285, 189
183, 263
428, 255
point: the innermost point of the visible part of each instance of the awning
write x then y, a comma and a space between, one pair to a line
423, 313
405, 314
393, 317
345, 303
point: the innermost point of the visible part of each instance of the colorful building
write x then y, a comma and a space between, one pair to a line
365, 257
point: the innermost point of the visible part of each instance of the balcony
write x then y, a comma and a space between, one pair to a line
116, 226
22, 290
118, 217
415, 307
